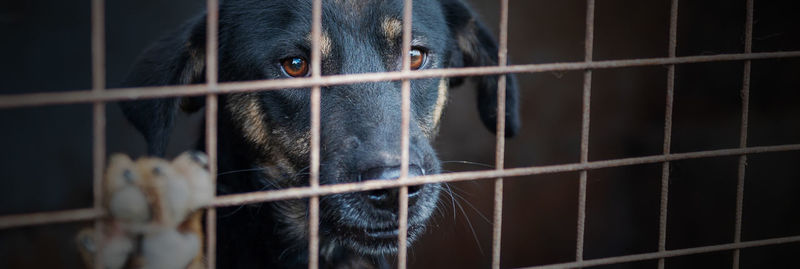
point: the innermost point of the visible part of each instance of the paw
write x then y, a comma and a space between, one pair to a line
116, 248
152, 205
126, 198
194, 166
169, 249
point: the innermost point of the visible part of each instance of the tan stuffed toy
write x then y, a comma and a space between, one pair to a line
153, 218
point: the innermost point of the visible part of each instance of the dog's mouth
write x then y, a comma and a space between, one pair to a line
373, 240
385, 234
366, 222
371, 234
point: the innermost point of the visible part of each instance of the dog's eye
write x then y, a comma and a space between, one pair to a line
417, 58
295, 66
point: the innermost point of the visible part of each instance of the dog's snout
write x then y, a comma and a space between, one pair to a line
387, 198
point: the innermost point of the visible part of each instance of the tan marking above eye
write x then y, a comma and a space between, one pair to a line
391, 28
324, 43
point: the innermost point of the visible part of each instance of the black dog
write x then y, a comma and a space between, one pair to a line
268, 132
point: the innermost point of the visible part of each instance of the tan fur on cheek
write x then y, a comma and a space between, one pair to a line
247, 112
274, 144
431, 120
440, 102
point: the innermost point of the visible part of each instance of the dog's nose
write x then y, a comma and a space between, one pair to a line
387, 198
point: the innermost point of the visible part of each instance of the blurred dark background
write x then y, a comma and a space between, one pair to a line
45, 162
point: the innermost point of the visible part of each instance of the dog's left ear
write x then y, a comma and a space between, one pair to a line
475, 46
177, 59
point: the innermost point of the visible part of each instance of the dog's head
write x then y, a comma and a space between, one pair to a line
360, 129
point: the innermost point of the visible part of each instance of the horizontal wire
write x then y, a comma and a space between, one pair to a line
126, 94
670, 253
19, 220
49, 217
303, 192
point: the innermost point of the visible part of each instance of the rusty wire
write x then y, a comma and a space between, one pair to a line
745, 95
135, 93
50, 217
316, 92
664, 203
670, 253
585, 123
500, 142
98, 120
212, 105
98, 95
305, 192
402, 214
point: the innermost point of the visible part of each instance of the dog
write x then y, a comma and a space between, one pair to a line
263, 137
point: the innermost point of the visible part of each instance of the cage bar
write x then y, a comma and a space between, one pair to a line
664, 203
51, 217
500, 136
585, 122
671, 253
745, 94
136, 93
402, 214
98, 120
212, 104
303, 192
22, 220
316, 92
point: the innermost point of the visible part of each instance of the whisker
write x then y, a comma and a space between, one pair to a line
469, 162
244, 170
473, 208
264, 180
257, 169
440, 204
240, 207
452, 200
471, 228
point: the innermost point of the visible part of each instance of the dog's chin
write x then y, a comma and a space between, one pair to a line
376, 241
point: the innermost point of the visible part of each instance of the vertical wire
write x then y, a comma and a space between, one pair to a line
587, 94
98, 120
502, 59
402, 216
673, 44
212, 28
745, 95
316, 92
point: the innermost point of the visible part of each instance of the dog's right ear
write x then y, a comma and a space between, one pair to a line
176, 59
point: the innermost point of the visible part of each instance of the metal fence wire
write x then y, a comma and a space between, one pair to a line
99, 95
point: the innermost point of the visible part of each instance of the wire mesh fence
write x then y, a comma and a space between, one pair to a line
100, 94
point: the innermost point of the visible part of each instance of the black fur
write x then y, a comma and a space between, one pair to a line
267, 132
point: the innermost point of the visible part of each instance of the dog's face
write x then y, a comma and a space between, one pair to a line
360, 123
